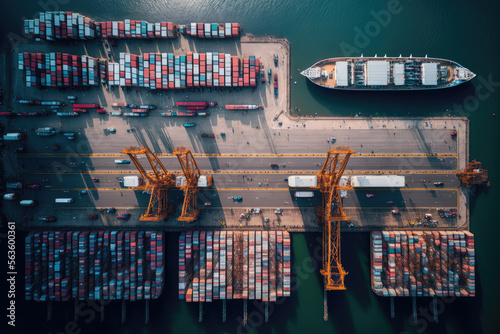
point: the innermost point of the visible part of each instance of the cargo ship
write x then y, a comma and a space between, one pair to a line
234, 265
93, 265
387, 73
423, 263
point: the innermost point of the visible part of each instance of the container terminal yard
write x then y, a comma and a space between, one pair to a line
114, 138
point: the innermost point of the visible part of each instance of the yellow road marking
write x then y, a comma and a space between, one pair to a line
259, 189
227, 155
289, 172
262, 207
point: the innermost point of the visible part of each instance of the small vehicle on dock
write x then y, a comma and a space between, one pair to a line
237, 198
47, 219
122, 162
208, 203
438, 184
92, 216
208, 135
189, 125
101, 111
32, 186
370, 195
95, 179
212, 104
124, 215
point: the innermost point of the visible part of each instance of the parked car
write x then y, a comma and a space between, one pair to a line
21, 149
124, 215
208, 135
92, 216
47, 219
32, 186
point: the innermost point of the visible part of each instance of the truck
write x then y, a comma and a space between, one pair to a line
147, 106
52, 103
205, 181
85, 105
377, 181
14, 185
64, 200
191, 104
132, 181
44, 132
304, 194
28, 202
10, 196
303, 181
14, 136
71, 113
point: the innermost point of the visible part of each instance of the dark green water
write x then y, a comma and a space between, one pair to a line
463, 31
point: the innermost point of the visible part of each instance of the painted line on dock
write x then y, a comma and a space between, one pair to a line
277, 172
263, 208
261, 189
226, 155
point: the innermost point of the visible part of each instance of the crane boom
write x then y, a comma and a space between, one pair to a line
331, 214
158, 181
192, 174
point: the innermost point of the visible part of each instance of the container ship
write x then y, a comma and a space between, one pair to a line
215, 265
387, 73
93, 265
423, 263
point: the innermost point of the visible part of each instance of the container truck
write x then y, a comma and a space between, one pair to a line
14, 136
304, 194
303, 181
14, 185
85, 105
64, 200
28, 202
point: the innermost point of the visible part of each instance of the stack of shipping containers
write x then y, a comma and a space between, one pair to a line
213, 30
423, 263
68, 25
210, 265
56, 69
94, 265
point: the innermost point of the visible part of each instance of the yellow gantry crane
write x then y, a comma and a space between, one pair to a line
331, 215
157, 182
190, 186
473, 174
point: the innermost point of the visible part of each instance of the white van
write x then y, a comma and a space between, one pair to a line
28, 202
64, 200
